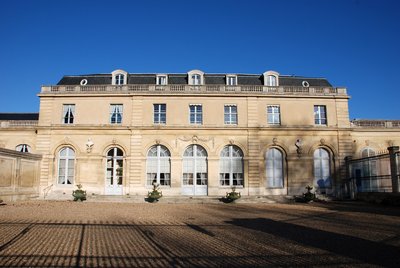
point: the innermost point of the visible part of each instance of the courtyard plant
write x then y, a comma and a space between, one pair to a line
79, 195
155, 194
232, 196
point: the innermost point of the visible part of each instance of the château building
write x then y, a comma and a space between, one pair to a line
192, 133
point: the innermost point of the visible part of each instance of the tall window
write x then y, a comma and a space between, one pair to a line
230, 115
231, 80
274, 168
231, 166
158, 166
271, 81
196, 114
66, 166
369, 170
119, 79
160, 113
116, 113
68, 113
23, 148
114, 168
322, 170
161, 80
273, 115
195, 165
320, 115
195, 79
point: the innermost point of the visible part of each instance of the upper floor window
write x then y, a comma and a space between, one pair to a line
116, 113
230, 115
196, 114
161, 80
23, 148
273, 115
160, 113
196, 77
119, 77
231, 80
320, 115
271, 79
68, 113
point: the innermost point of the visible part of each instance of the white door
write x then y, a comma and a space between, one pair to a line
194, 171
114, 172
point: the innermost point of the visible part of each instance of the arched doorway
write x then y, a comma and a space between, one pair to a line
194, 171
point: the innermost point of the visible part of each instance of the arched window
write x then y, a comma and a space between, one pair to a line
23, 148
195, 79
195, 165
274, 168
322, 169
66, 166
367, 152
231, 166
158, 166
271, 81
115, 167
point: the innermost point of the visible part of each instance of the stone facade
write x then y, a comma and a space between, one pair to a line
93, 133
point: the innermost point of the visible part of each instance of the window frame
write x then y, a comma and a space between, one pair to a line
233, 181
277, 163
116, 113
274, 115
318, 162
68, 110
319, 111
232, 115
159, 116
161, 79
195, 114
231, 80
68, 158
159, 160
23, 148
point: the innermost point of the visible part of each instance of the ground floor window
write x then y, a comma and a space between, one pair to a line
322, 170
231, 166
158, 166
195, 165
274, 168
66, 166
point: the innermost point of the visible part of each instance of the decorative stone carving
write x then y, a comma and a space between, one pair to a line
89, 145
274, 141
299, 145
114, 141
194, 139
322, 141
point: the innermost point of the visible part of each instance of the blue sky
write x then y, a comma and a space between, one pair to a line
353, 43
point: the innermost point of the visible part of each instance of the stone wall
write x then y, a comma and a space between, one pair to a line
19, 175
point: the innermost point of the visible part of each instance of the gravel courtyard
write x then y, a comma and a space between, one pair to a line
92, 234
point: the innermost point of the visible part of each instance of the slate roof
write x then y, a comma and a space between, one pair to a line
19, 116
182, 79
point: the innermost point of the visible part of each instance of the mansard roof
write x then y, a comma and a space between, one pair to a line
181, 79
19, 116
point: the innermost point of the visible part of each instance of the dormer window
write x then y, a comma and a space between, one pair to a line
271, 79
119, 77
162, 80
231, 80
196, 77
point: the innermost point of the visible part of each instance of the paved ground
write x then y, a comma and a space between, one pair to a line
90, 234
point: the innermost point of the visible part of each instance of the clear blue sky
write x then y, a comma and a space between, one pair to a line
353, 43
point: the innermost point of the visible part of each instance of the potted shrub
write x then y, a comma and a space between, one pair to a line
232, 196
155, 194
79, 195
308, 196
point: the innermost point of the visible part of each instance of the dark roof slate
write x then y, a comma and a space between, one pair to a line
19, 116
182, 79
